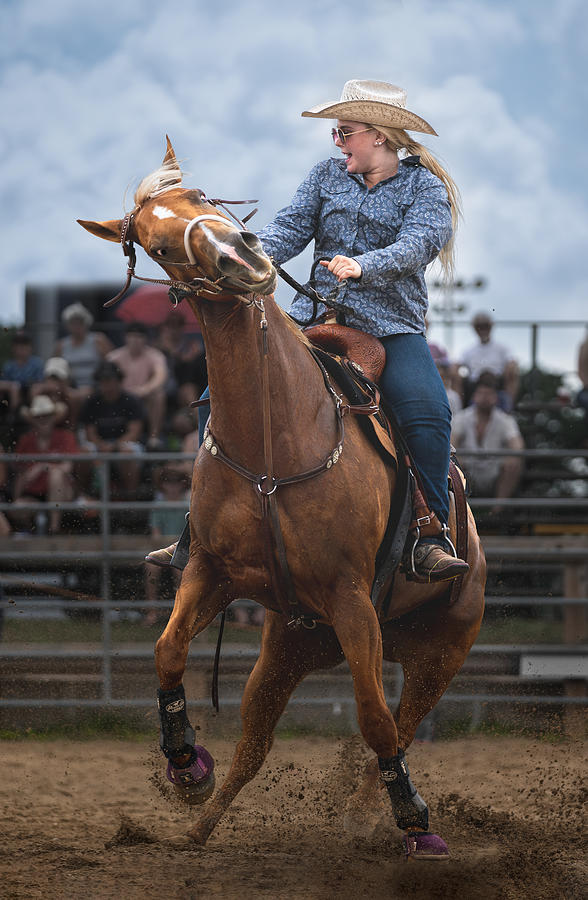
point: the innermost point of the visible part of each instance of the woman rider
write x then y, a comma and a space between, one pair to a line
382, 219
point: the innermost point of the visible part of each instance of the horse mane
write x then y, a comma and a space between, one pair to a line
168, 176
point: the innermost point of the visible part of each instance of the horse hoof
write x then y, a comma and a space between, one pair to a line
195, 783
422, 845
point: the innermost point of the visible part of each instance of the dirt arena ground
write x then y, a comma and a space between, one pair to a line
97, 820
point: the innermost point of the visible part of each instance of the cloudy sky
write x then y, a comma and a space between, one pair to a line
88, 91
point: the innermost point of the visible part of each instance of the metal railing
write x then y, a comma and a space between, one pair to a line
106, 555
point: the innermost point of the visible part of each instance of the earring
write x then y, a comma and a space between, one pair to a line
379, 143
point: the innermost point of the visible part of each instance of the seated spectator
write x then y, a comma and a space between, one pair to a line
482, 426
112, 421
145, 374
82, 349
184, 353
20, 372
582, 396
446, 372
489, 356
172, 485
51, 482
57, 386
5, 527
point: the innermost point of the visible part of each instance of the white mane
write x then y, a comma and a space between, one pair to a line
168, 176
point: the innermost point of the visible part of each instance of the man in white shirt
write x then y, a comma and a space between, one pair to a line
489, 356
482, 426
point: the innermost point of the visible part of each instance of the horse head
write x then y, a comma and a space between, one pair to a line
192, 240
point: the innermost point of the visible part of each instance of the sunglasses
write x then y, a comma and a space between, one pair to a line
343, 135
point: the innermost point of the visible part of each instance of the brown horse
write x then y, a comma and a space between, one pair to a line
331, 525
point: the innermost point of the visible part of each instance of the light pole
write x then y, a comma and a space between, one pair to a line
448, 306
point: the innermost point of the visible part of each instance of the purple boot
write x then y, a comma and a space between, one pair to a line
195, 783
424, 845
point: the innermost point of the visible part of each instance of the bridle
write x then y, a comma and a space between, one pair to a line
201, 285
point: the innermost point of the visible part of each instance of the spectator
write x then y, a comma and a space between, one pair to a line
186, 363
113, 422
482, 426
582, 396
51, 482
145, 375
83, 349
173, 485
489, 356
446, 371
57, 386
5, 527
20, 372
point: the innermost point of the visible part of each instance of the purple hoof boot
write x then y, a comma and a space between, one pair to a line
195, 783
423, 845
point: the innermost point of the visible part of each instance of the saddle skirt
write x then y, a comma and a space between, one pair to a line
365, 350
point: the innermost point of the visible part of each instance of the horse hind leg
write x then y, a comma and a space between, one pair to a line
360, 638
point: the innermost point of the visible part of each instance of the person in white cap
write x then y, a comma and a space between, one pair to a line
382, 213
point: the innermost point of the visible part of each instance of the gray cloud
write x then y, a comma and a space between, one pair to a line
90, 97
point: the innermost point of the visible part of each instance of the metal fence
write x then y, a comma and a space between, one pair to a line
106, 555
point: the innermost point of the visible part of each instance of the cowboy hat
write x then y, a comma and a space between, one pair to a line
77, 311
373, 102
42, 405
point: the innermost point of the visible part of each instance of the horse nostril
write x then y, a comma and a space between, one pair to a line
251, 240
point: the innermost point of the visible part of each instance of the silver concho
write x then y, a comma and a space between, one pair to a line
214, 449
208, 442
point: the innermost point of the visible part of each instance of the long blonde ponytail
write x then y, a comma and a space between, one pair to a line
397, 140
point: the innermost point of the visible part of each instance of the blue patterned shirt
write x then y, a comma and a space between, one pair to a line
393, 230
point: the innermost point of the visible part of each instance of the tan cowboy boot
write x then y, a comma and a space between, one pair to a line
161, 557
433, 563
431, 560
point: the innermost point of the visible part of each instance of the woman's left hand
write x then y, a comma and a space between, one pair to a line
343, 267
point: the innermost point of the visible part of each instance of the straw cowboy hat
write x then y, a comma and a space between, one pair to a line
77, 311
373, 102
42, 405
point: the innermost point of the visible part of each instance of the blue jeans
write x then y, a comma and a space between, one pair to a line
412, 386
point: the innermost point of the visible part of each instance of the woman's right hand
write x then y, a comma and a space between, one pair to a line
343, 267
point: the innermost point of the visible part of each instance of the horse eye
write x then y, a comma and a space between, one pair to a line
161, 251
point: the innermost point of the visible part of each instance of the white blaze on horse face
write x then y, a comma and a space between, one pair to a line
162, 212
225, 249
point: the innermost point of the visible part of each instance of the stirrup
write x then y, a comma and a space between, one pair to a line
409, 563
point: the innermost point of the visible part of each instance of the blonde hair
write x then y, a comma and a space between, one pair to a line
397, 139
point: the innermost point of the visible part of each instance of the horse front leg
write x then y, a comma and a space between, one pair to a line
286, 657
198, 600
359, 634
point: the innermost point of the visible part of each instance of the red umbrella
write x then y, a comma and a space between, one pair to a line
151, 305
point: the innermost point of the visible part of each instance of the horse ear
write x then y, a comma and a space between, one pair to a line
170, 156
109, 231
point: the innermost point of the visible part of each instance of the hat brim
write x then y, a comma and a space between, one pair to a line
372, 112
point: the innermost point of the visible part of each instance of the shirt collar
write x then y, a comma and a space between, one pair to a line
411, 162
